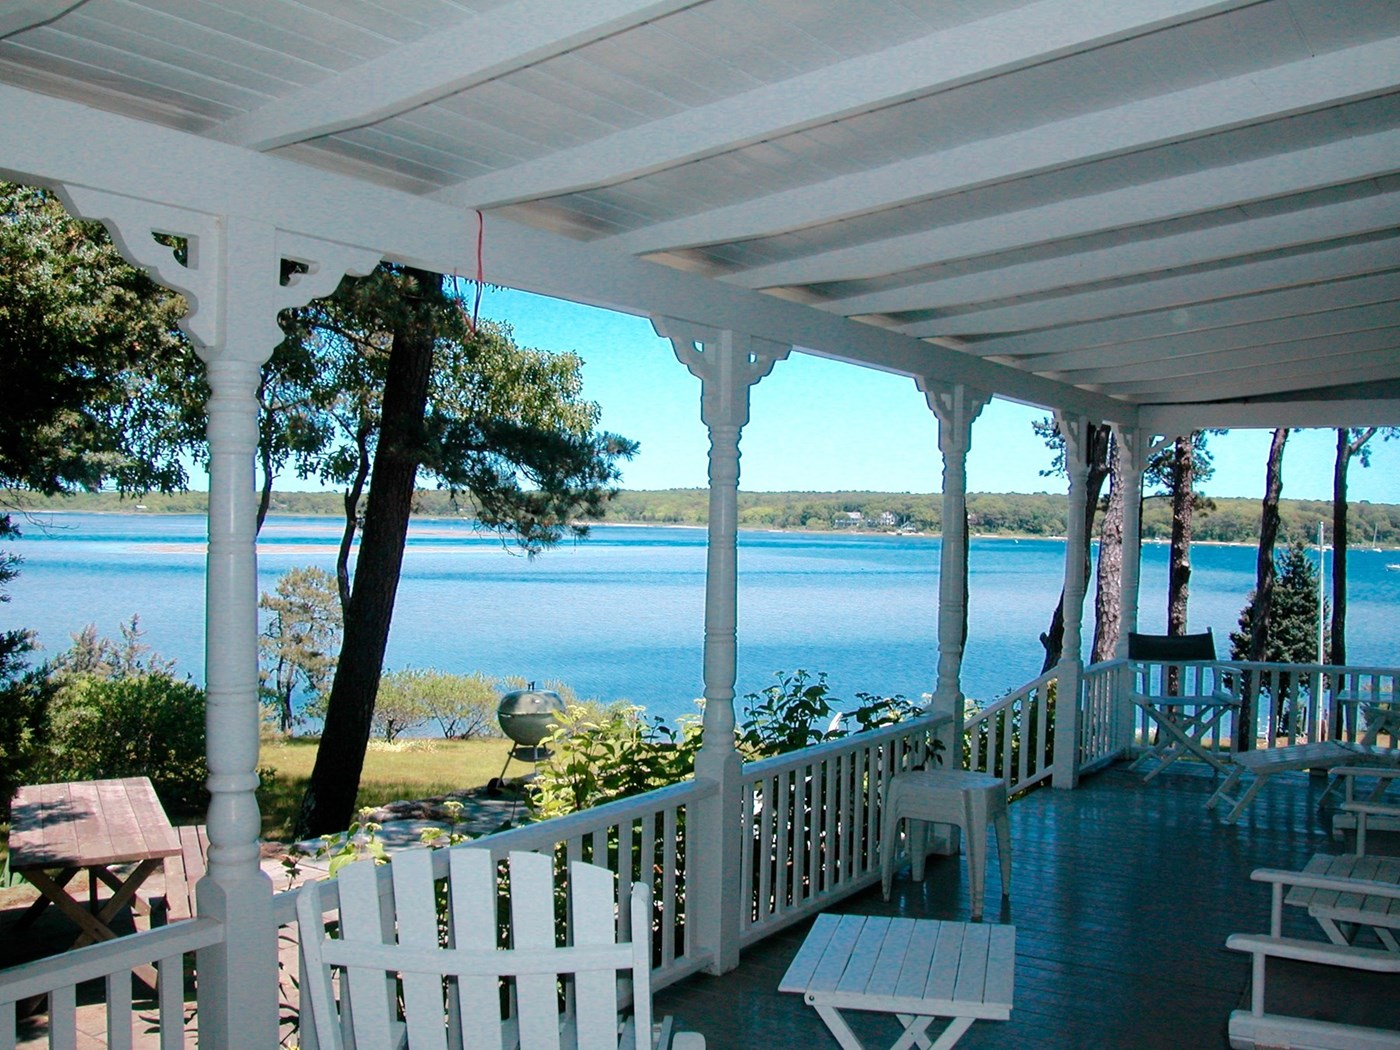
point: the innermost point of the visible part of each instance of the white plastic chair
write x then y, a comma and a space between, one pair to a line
404, 981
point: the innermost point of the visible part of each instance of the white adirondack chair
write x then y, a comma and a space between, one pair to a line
456, 996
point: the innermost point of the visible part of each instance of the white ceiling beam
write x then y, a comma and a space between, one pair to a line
1240, 415
1245, 381
1350, 160
1263, 95
1182, 321
1210, 341
937, 62
1233, 240
490, 45
45, 140
1205, 365
1164, 293
19, 15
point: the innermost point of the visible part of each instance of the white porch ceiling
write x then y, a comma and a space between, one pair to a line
1170, 211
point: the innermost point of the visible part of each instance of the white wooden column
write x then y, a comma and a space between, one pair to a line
1070, 670
231, 280
728, 364
956, 407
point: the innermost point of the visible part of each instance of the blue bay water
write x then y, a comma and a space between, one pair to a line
621, 614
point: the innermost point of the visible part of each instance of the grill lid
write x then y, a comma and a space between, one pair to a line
527, 714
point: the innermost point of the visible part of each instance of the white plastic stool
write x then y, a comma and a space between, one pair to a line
959, 797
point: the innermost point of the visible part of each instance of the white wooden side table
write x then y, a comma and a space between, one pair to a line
915, 969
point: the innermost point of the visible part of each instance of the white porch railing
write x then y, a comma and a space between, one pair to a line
811, 822
1014, 736
1287, 703
810, 826
113, 963
1105, 716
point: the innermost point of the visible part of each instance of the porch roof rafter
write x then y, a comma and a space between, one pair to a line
1028, 196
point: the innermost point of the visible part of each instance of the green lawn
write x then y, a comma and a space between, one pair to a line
418, 768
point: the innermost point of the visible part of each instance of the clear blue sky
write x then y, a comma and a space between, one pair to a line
818, 425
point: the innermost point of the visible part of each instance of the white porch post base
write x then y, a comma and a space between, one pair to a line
728, 364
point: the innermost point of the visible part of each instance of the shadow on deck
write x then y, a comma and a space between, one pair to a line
1122, 896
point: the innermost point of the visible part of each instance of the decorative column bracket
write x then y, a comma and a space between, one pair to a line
215, 248
727, 363
957, 406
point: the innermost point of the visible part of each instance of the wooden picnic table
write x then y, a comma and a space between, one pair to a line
95, 826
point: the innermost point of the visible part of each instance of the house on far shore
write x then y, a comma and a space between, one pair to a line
848, 519
890, 520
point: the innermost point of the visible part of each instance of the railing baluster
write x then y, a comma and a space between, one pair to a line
767, 857
63, 1017
747, 848
119, 1012
669, 873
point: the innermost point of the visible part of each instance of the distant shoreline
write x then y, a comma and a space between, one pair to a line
1013, 516
1013, 537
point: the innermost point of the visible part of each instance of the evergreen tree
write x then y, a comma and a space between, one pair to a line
1292, 635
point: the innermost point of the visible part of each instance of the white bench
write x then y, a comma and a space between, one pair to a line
1267, 763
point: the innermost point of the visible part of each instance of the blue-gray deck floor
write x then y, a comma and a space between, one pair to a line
1122, 895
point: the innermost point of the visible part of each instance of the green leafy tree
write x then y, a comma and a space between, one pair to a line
95, 370
299, 641
99, 657
24, 693
463, 705
95, 375
399, 705
410, 386
117, 710
145, 724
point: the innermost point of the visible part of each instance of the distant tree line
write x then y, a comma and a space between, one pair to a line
989, 513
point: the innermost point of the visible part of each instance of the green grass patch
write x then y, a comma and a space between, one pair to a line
409, 769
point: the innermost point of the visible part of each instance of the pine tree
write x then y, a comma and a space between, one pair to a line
1291, 637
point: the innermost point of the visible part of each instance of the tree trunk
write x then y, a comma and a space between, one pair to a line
329, 803
1263, 580
1268, 537
352, 514
265, 458
1346, 449
1108, 601
1183, 507
1100, 440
